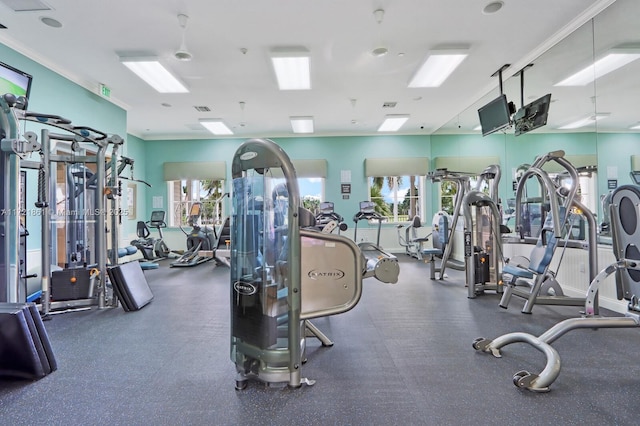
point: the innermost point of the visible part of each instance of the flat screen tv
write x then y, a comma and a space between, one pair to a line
532, 116
495, 115
14, 81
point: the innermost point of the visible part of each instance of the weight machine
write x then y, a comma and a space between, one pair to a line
284, 272
463, 185
83, 281
13, 148
625, 233
561, 200
483, 242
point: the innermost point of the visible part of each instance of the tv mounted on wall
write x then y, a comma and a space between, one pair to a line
532, 116
14, 81
495, 115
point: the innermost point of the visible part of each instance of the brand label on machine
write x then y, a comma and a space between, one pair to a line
244, 288
467, 244
249, 155
334, 274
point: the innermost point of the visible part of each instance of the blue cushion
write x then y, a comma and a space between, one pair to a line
432, 251
517, 271
149, 265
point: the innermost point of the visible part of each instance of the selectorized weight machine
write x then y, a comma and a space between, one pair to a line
483, 231
284, 272
535, 282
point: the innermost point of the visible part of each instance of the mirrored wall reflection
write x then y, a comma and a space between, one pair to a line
591, 114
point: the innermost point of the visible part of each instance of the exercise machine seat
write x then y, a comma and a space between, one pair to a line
517, 271
441, 242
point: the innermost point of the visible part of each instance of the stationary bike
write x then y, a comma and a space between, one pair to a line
199, 240
152, 248
328, 220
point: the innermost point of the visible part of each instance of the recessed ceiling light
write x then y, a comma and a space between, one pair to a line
437, 67
154, 74
53, 23
392, 123
586, 121
216, 126
492, 7
292, 68
614, 59
301, 124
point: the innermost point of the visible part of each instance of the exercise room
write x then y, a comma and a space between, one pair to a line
349, 213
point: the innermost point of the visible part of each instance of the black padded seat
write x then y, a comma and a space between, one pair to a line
130, 285
25, 350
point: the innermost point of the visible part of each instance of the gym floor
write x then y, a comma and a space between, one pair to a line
402, 356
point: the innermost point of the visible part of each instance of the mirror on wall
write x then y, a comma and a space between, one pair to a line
591, 120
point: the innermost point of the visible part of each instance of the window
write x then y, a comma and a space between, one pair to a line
398, 198
311, 191
184, 193
448, 192
449, 189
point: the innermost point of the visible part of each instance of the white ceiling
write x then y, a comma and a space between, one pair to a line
340, 34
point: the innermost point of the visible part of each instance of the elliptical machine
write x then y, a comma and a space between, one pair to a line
152, 249
200, 241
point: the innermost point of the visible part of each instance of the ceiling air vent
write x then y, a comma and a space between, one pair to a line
389, 104
202, 108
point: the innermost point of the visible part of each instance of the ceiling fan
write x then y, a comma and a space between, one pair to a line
183, 54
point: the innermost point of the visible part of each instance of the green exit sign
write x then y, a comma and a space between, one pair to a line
105, 91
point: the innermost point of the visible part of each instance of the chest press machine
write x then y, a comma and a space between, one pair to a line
544, 289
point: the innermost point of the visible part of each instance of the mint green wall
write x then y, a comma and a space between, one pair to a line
135, 149
348, 153
341, 153
53, 94
614, 150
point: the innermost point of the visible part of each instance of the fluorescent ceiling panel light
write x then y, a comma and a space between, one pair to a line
155, 75
584, 121
635, 127
438, 67
26, 5
216, 126
392, 123
615, 59
291, 66
302, 124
